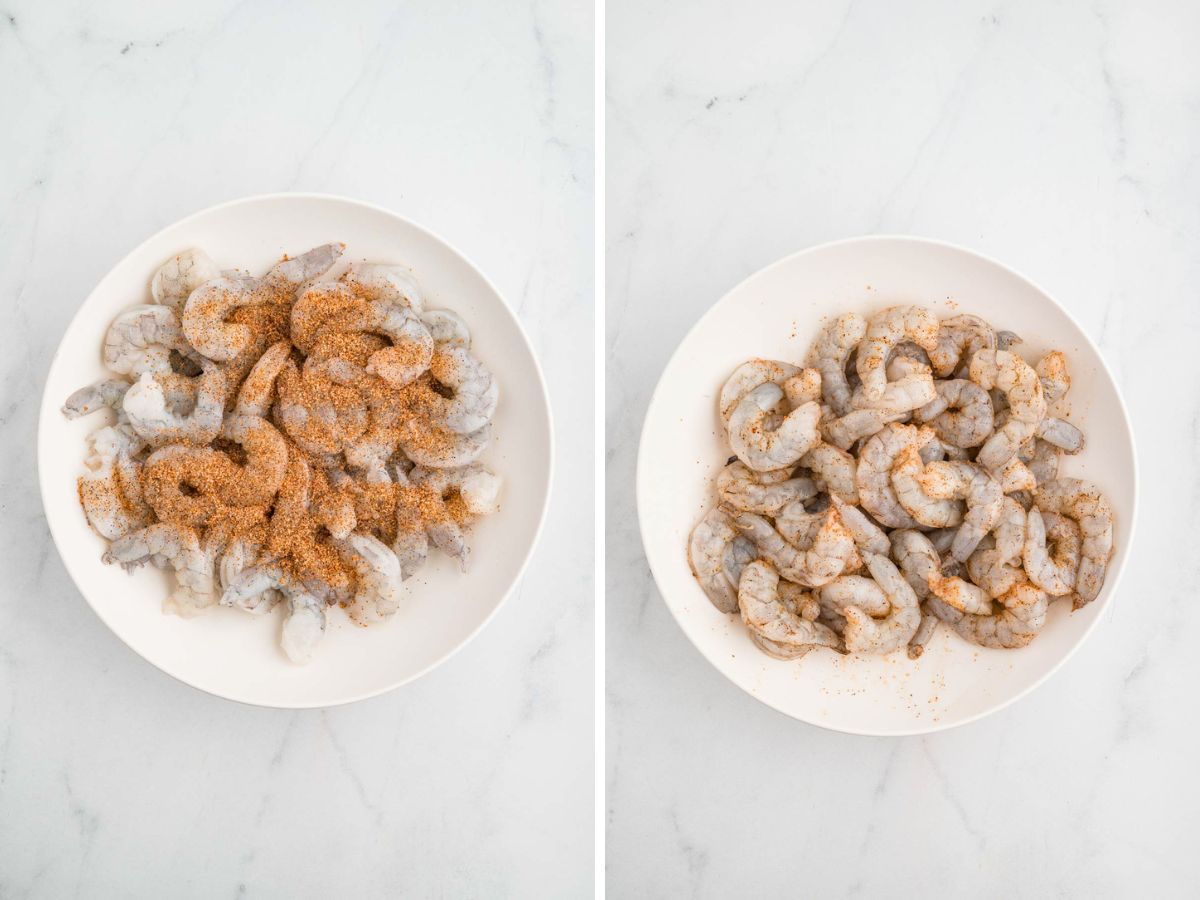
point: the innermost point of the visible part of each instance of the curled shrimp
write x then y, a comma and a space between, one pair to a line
453, 451
1082, 501
209, 306
743, 489
146, 405
266, 451
829, 355
377, 595
866, 534
886, 329
833, 471
991, 569
782, 633
864, 634
1015, 476
710, 554
477, 486
175, 279
392, 284
823, 530
1043, 461
175, 546
1007, 372
803, 387
959, 338
140, 340
1061, 434
909, 386
447, 327
110, 488
965, 481
820, 563
1022, 616
875, 463
962, 414
850, 590
239, 555
960, 594
475, 390
1051, 552
762, 448
747, 377
925, 510
1052, 372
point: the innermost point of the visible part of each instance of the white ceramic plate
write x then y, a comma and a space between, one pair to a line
227, 652
776, 313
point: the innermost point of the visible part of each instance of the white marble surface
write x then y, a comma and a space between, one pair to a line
1061, 139
473, 118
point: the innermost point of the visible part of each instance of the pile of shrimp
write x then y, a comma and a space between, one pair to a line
255, 416
907, 476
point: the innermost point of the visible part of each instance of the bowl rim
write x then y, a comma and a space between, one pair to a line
1115, 573
427, 232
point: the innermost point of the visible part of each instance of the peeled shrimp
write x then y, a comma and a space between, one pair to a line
965, 481
1018, 623
744, 489
1061, 434
453, 451
254, 396
266, 461
393, 284
960, 594
764, 449
146, 404
886, 329
833, 471
747, 377
1043, 462
820, 563
857, 424
109, 392
926, 510
864, 634
959, 337
1054, 571
962, 414
873, 477
303, 626
447, 327
787, 634
867, 535
850, 590
829, 355
1082, 501
110, 489
1052, 372
180, 275
709, 554
991, 569
1000, 369
475, 390
175, 546
378, 592
803, 387
477, 486
141, 339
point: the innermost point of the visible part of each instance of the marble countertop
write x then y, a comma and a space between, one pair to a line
472, 118
1061, 139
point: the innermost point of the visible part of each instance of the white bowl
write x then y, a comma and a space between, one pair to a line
776, 313
227, 652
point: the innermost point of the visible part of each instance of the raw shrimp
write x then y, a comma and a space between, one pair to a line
453, 451
767, 617
764, 449
873, 477
109, 392
175, 478
709, 553
1014, 476
209, 306
829, 355
867, 535
850, 590
804, 387
833, 471
1082, 501
1043, 463
745, 490
926, 510
1009, 531
447, 327
110, 489
303, 626
864, 634
886, 329
180, 275
477, 486
960, 594
180, 548
991, 570
1054, 571
266, 461
959, 337
447, 535
141, 339
377, 595
1018, 623
857, 424
1000, 369
918, 560
965, 481
240, 555
1061, 434
1052, 372
911, 391
962, 414
823, 561
822, 529
393, 284
924, 634
254, 396
1006, 340
295, 271
146, 404
747, 377
475, 390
